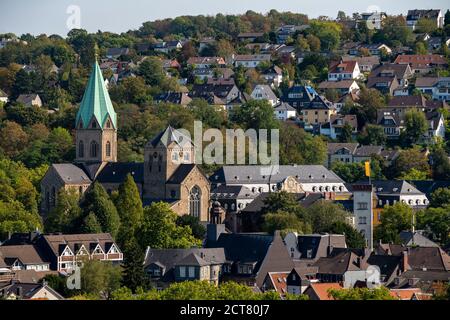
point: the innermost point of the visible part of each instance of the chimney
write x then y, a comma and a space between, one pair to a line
405, 264
213, 231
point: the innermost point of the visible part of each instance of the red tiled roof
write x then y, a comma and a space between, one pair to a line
420, 59
347, 67
321, 289
404, 294
278, 280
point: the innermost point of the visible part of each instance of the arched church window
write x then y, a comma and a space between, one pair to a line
108, 124
194, 202
81, 149
94, 124
94, 149
108, 149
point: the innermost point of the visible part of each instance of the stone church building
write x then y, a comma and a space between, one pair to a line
168, 173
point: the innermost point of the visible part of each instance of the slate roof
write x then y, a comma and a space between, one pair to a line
181, 173
371, 60
426, 81
26, 98
284, 107
340, 262
57, 242
394, 187
409, 238
367, 151
416, 14
387, 264
170, 135
248, 174
429, 186
27, 254
319, 244
407, 101
174, 97
117, 51
232, 192
116, 172
28, 289
169, 258
265, 91
430, 258
71, 173
343, 84
400, 70
96, 101
334, 147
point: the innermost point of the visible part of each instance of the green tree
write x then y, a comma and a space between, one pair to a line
299, 147
133, 270
284, 222
346, 133
322, 215
129, 207
353, 238
373, 135
409, 159
425, 25
151, 69
100, 278
160, 231
97, 201
91, 224
381, 293
394, 219
12, 139
65, 217
437, 221
416, 125
349, 172
255, 114
441, 164
198, 230
440, 198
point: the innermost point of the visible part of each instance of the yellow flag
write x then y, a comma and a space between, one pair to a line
367, 167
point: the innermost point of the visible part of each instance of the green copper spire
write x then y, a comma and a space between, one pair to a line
96, 101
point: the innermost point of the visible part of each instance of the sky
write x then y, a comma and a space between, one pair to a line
59, 16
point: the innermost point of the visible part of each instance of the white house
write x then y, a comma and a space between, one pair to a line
284, 111
438, 88
431, 14
344, 70
310, 178
251, 60
3, 97
264, 92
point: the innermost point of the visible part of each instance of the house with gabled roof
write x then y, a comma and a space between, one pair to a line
344, 70
165, 266
432, 14
320, 291
3, 97
30, 100
250, 256
16, 290
264, 92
